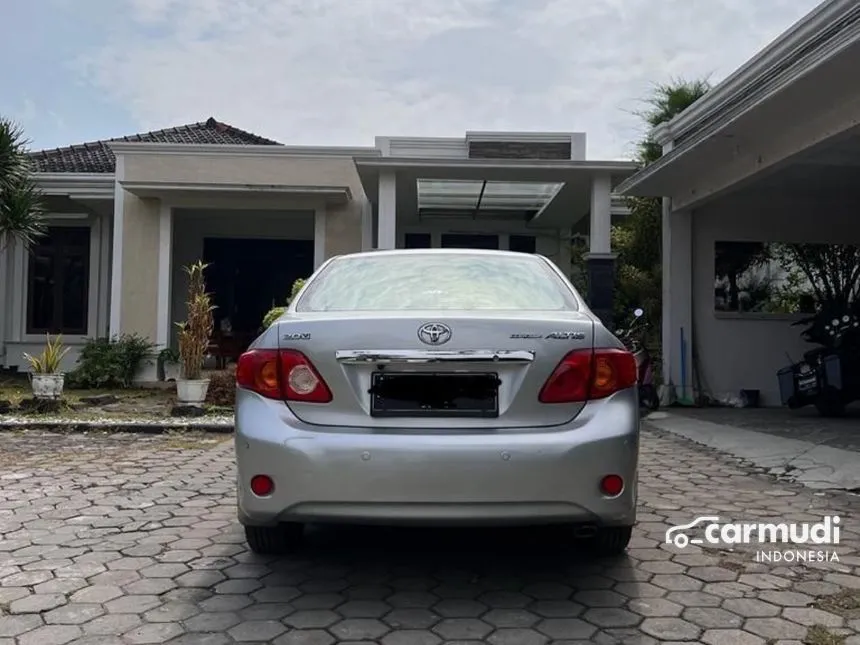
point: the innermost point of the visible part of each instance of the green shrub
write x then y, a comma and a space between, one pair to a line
110, 363
272, 316
297, 286
276, 312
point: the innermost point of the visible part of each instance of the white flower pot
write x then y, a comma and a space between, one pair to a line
47, 386
192, 391
147, 371
171, 371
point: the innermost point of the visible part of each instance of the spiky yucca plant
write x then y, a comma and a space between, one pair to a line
195, 332
48, 362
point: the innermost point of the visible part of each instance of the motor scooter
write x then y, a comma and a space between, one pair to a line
631, 337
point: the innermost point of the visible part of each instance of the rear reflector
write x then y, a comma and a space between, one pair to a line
612, 485
586, 374
262, 485
284, 374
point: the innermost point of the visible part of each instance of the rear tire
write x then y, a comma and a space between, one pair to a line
274, 540
830, 404
611, 540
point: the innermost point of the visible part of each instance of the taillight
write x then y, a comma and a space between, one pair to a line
281, 374
587, 374
257, 370
301, 381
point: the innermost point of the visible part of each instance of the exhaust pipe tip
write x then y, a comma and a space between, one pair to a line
584, 532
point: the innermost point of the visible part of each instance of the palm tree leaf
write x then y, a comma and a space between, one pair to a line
14, 163
21, 213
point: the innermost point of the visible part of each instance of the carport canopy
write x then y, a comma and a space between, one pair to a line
544, 193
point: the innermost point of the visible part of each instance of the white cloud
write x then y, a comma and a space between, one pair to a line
341, 71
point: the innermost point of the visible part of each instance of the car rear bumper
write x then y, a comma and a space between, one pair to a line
545, 475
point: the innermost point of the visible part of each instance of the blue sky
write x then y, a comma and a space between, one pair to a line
338, 72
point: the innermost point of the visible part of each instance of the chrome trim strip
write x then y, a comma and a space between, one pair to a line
359, 356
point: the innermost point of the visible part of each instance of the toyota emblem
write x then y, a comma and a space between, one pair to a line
434, 333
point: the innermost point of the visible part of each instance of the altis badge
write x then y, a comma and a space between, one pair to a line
555, 335
297, 336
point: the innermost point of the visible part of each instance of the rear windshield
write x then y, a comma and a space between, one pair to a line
437, 282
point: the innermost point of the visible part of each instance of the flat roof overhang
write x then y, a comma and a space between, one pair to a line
185, 191
565, 208
748, 127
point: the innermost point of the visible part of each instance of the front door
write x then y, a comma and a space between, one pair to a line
247, 277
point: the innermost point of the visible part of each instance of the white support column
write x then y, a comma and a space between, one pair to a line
387, 233
366, 225
115, 322
677, 329
4, 279
319, 236
165, 274
601, 214
19, 271
600, 259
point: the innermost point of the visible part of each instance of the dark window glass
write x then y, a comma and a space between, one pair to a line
522, 243
465, 241
416, 241
58, 282
777, 277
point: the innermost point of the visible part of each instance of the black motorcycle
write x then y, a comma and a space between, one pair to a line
828, 377
632, 339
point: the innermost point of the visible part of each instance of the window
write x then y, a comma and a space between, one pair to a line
58, 282
438, 282
783, 278
466, 241
416, 241
522, 243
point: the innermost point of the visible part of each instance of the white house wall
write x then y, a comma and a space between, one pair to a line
744, 351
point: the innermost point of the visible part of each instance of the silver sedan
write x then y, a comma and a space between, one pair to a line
437, 386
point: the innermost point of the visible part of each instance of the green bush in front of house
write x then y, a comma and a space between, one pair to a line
276, 312
110, 362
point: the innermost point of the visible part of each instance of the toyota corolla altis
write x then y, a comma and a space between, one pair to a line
437, 386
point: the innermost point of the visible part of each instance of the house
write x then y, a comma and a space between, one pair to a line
126, 215
769, 157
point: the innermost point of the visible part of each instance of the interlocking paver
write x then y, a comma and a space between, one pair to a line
137, 543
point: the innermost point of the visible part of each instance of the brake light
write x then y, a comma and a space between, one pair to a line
587, 374
284, 374
301, 381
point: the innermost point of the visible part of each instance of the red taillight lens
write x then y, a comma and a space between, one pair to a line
257, 370
301, 381
588, 374
281, 374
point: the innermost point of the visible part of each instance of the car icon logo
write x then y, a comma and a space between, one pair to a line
434, 333
676, 536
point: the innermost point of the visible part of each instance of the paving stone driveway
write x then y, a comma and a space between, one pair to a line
131, 539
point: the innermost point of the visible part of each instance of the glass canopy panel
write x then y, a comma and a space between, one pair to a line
519, 195
449, 194
464, 194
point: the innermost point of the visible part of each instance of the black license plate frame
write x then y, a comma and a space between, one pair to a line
381, 406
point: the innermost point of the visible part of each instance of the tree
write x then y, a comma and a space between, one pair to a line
21, 209
637, 240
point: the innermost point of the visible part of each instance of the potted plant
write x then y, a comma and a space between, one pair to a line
194, 336
46, 379
169, 359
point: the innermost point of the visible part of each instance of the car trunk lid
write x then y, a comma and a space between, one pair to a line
424, 371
